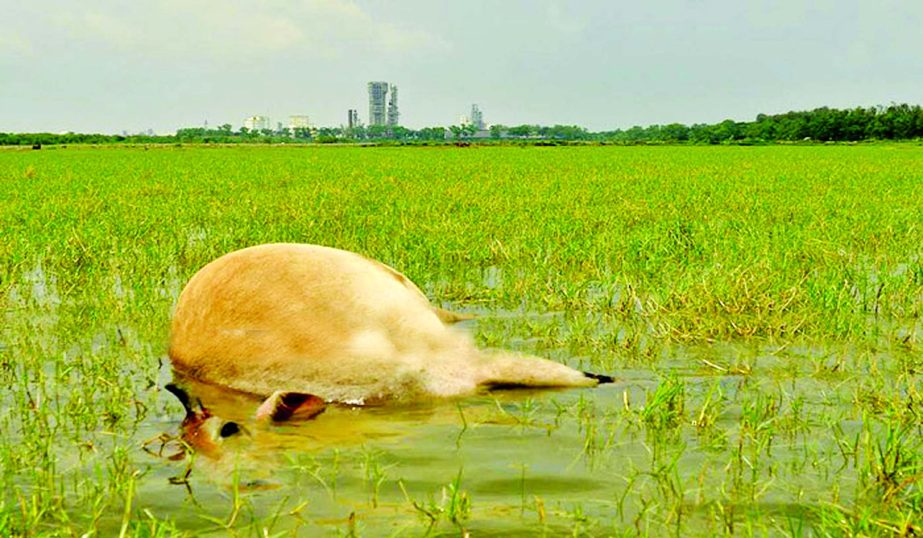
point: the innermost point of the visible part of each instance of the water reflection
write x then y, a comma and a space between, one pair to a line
224, 424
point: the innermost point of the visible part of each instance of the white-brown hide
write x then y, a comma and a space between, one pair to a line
322, 321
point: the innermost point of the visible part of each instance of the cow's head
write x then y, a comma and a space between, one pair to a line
205, 432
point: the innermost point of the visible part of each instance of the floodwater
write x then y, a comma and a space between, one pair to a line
701, 440
513, 453
511, 462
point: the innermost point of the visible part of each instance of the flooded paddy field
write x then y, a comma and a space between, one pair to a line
760, 309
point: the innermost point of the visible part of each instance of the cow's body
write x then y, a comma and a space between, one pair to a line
331, 323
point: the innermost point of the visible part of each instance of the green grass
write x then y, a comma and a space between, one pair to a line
761, 307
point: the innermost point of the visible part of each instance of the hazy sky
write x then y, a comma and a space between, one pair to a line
111, 65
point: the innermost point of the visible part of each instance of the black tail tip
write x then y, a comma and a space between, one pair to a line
601, 378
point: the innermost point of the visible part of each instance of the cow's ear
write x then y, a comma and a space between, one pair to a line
290, 406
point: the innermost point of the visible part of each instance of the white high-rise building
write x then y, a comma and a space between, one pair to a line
378, 99
382, 108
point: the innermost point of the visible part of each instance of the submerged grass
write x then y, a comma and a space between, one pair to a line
760, 306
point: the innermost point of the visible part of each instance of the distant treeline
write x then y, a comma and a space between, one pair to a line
34, 139
895, 122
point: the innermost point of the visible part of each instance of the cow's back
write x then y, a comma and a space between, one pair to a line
306, 318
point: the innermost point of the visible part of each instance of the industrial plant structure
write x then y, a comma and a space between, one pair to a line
383, 111
256, 123
477, 117
393, 114
299, 122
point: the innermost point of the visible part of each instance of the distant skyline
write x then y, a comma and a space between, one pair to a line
108, 66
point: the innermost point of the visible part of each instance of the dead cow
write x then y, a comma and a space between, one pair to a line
293, 318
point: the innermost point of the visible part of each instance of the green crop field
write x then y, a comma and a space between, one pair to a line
761, 309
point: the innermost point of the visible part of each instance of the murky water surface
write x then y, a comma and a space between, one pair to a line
703, 438
520, 461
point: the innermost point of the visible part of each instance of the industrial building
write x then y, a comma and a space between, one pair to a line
393, 114
382, 110
353, 121
378, 95
477, 117
299, 122
256, 123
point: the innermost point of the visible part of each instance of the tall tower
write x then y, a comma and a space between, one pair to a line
393, 114
378, 93
477, 117
353, 120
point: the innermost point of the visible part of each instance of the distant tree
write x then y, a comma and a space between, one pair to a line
899, 121
190, 134
700, 133
376, 132
726, 131
302, 133
572, 132
399, 132
791, 126
358, 132
675, 132
636, 134
523, 131
432, 133
761, 129
857, 123
328, 132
